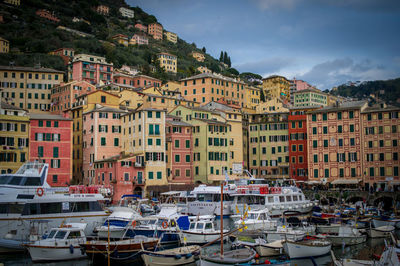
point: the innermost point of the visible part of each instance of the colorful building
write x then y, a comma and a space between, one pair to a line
50, 138
179, 151
136, 81
168, 61
171, 37
46, 14
126, 12
273, 105
90, 68
334, 136
64, 95
13, 2
269, 145
204, 88
276, 87
298, 85
139, 39
198, 56
380, 126
141, 27
29, 87
103, 10
121, 39
310, 97
67, 54
155, 30
4, 45
203, 69
252, 97
14, 138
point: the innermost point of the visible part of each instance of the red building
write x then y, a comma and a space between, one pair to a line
91, 68
125, 174
51, 142
179, 151
298, 163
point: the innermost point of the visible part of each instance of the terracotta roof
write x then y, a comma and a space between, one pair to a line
31, 69
5, 105
48, 117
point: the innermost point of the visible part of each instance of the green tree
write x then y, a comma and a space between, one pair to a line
221, 56
203, 49
225, 59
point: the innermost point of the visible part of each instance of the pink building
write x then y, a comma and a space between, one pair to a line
137, 81
179, 151
139, 39
51, 141
122, 173
141, 27
90, 68
101, 138
43, 13
298, 85
65, 53
63, 96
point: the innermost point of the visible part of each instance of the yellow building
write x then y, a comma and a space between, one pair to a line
171, 86
168, 61
252, 96
121, 39
170, 36
276, 87
4, 45
14, 136
89, 100
203, 69
29, 87
274, 105
198, 56
13, 2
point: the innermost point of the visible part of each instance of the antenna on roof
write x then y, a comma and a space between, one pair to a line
11, 63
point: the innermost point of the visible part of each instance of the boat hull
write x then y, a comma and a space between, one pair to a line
339, 240
274, 236
301, 250
201, 238
233, 257
176, 256
328, 229
55, 253
380, 232
265, 251
167, 237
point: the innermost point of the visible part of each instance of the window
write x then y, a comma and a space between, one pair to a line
314, 131
353, 172
351, 114
380, 116
315, 158
158, 142
315, 143
187, 158
351, 128
151, 175
176, 143
394, 129
116, 142
315, 173
314, 117
103, 141
382, 171
381, 143
149, 114
293, 147
326, 158
55, 178
352, 142
325, 130
396, 171
395, 156
40, 123
340, 129
55, 123
381, 157
380, 129
339, 115
158, 114
341, 172
55, 152
103, 99
325, 143
326, 173
325, 117
177, 158
40, 151
187, 144
149, 141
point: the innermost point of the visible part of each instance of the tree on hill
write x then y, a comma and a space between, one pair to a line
221, 57
203, 49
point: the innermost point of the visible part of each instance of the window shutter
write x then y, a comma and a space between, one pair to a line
337, 157
99, 128
106, 128
36, 136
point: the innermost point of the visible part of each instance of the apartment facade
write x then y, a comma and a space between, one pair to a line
141, 27
46, 14
252, 97
121, 39
276, 87
139, 39
67, 54
171, 37
168, 61
29, 88
4, 45
50, 138
310, 97
90, 68
155, 30
14, 138
126, 12
198, 56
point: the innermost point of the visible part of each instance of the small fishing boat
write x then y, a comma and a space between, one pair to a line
201, 232
382, 231
176, 256
263, 248
61, 244
119, 250
388, 258
307, 248
257, 220
232, 257
285, 232
383, 221
117, 223
347, 236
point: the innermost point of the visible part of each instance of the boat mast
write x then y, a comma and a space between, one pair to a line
222, 219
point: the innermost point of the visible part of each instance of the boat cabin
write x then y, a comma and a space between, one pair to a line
202, 226
68, 231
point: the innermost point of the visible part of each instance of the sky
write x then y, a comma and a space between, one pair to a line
324, 42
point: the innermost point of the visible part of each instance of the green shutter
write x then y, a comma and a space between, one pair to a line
55, 152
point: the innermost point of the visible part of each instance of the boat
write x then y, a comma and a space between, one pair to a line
61, 244
202, 231
388, 258
126, 249
263, 248
257, 220
117, 223
382, 231
285, 233
383, 221
176, 256
328, 229
307, 248
29, 206
347, 236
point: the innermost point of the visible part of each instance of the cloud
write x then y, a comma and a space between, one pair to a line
335, 72
266, 66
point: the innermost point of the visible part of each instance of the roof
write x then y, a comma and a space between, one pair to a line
167, 54
310, 90
343, 106
48, 117
374, 109
212, 75
5, 105
178, 123
105, 109
208, 121
275, 76
31, 69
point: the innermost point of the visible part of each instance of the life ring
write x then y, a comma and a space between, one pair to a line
39, 191
133, 224
164, 224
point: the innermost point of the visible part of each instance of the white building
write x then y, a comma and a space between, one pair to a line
125, 12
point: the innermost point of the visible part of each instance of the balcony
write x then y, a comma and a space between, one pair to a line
140, 164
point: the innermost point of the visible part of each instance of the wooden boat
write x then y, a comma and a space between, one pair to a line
176, 256
263, 248
388, 258
61, 244
382, 231
347, 236
201, 232
307, 248
121, 249
285, 232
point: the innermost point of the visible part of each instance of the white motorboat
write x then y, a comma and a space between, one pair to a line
347, 236
176, 256
378, 222
232, 257
201, 232
389, 258
285, 233
308, 248
328, 229
257, 220
382, 231
117, 223
263, 248
61, 244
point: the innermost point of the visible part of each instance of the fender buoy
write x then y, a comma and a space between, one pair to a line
39, 191
71, 249
164, 224
133, 224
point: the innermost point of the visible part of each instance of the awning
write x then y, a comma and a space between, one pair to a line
346, 181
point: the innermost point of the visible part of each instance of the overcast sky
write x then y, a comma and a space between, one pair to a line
324, 42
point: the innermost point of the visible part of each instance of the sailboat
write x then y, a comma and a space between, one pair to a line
233, 257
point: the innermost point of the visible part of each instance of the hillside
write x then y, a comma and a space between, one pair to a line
32, 38
384, 90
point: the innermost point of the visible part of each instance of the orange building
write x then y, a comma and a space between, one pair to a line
207, 87
67, 54
156, 30
43, 13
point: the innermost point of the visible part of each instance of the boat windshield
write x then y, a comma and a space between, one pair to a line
200, 226
60, 234
52, 233
208, 226
192, 225
252, 216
